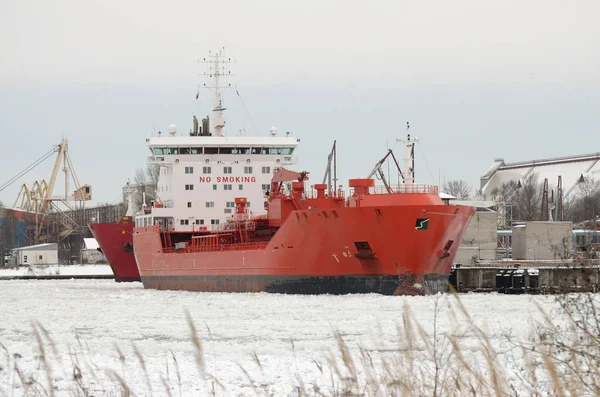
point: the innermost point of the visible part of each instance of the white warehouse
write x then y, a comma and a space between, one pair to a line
41, 254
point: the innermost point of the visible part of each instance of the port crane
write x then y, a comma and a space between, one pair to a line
39, 199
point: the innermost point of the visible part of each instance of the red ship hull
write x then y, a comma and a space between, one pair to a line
320, 251
116, 243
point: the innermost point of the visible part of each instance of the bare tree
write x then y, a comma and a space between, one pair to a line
527, 199
146, 181
586, 203
506, 191
459, 189
153, 172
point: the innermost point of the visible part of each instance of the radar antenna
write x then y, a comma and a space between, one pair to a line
217, 73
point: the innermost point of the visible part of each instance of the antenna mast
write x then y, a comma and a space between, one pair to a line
409, 156
217, 72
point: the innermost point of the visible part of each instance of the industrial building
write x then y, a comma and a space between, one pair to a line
40, 254
573, 170
479, 241
542, 241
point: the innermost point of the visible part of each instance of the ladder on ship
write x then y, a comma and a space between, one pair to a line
167, 240
243, 232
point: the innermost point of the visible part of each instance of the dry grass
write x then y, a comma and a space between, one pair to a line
561, 359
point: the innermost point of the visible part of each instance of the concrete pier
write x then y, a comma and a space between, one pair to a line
545, 278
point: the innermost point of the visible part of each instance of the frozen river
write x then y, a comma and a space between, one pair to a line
270, 342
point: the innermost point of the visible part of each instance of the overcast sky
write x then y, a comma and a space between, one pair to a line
476, 79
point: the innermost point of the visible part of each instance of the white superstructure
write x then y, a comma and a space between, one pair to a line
202, 173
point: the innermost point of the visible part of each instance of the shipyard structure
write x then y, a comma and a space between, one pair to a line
536, 227
42, 227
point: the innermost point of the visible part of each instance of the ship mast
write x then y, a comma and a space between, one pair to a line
217, 72
409, 156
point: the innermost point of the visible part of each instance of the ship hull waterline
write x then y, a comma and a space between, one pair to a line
316, 252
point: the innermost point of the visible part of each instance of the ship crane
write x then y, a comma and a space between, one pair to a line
327, 177
282, 175
378, 170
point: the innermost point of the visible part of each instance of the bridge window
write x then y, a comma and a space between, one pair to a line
159, 150
211, 150
225, 150
256, 150
171, 150
196, 150
240, 150
184, 150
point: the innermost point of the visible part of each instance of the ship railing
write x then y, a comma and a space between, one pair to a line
240, 217
339, 194
231, 247
225, 227
211, 246
403, 189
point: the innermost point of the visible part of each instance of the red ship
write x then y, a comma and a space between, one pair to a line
116, 243
199, 170
388, 240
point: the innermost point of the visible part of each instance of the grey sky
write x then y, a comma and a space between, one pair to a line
476, 80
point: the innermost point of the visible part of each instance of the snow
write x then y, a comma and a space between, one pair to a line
91, 243
51, 270
292, 336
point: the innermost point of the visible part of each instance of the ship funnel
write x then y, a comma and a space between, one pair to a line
205, 126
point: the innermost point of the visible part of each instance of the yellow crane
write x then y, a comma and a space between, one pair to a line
39, 199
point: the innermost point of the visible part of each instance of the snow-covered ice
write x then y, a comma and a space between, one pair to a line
54, 270
291, 335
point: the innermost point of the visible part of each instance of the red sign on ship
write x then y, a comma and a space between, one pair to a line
228, 179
